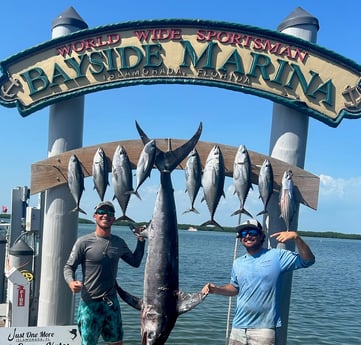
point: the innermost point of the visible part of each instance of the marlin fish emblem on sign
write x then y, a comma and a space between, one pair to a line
162, 301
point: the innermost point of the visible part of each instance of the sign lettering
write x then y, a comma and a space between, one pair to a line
51, 335
269, 64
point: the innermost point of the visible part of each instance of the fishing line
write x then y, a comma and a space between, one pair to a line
230, 298
266, 223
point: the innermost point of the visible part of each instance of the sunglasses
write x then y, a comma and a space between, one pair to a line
250, 232
103, 212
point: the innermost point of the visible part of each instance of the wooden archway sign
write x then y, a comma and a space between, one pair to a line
53, 171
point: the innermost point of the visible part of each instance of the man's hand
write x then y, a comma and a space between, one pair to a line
284, 236
137, 231
75, 286
303, 249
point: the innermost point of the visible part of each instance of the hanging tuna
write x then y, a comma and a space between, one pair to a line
265, 184
100, 172
122, 180
287, 202
76, 181
242, 178
213, 182
193, 174
145, 163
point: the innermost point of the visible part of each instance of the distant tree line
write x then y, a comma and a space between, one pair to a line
324, 234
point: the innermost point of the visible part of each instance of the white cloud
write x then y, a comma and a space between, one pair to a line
340, 188
339, 202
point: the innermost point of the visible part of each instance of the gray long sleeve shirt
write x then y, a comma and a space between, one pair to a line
99, 258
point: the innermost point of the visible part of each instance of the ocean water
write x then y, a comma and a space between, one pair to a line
325, 300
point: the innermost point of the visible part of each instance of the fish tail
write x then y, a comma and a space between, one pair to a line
169, 160
212, 222
125, 218
242, 210
236, 212
77, 209
192, 209
135, 192
262, 212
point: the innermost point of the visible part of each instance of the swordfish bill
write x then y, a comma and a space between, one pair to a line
162, 301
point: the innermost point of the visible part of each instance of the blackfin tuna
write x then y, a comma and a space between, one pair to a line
100, 172
76, 181
265, 184
145, 164
287, 202
193, 175
122, 180
242, 178
213, 182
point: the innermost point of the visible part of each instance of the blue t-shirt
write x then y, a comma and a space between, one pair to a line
257, 278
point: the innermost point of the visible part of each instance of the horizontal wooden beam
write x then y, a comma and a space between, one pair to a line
53, 171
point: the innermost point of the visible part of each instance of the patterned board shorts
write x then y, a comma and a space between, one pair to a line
97, 318
252, 336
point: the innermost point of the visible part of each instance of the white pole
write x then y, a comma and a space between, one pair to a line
288, 143
60, 226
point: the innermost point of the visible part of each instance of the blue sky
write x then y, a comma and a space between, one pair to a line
175, 110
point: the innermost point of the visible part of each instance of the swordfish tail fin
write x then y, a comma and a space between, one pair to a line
168, 161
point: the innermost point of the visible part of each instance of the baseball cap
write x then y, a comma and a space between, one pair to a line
249, 224
105, 204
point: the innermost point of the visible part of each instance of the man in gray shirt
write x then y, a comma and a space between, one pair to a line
98, 253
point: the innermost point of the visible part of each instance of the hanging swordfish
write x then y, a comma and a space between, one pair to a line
162, 301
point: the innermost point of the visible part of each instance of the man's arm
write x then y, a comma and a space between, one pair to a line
135, 258
303, 249
69, 271
225, 290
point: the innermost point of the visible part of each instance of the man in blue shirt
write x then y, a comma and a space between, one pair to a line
255, 279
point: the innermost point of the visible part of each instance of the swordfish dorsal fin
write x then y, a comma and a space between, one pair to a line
168, 161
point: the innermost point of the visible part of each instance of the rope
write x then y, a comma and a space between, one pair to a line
230, 298
266, 225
